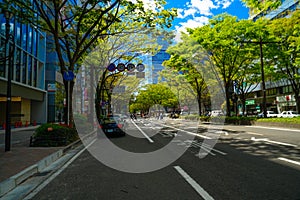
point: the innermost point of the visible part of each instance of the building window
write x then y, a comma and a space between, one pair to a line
35, 73
18, 33
30, 37
18, 65
34, 46
24, 33
24, 68
280, 90
29, 70
2, 54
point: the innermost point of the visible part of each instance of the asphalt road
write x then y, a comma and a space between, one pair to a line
240, 163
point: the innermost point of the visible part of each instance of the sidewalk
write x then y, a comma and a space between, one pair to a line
21, 155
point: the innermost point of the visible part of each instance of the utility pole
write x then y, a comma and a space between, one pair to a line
263, 84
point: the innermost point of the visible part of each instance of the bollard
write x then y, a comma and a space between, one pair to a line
16, 124
4, 126
34, 122
26, 124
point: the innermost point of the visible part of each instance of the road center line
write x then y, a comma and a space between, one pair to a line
146, 136
288, 160
194, 184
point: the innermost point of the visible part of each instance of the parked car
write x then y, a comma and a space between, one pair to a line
269, 114
112, 126
289, 114
216, 113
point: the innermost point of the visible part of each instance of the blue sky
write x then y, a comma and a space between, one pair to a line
195, 13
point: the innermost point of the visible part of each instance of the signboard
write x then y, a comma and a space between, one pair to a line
68, 75
130, 73
51, 87
140, 74
121, 67
250, 102
140, 67
130, 67
12, 99
59, 77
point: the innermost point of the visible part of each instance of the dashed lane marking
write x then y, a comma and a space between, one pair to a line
194, 184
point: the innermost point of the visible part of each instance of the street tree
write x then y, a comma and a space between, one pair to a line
224, 39
152, 95
188, 61
76, 26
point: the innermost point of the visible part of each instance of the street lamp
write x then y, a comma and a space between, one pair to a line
8, 16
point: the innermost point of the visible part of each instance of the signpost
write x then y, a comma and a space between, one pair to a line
130, 67
68, 76
111, 67
140, 67
121, 67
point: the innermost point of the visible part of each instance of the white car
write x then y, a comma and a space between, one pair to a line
269, 114
289, 114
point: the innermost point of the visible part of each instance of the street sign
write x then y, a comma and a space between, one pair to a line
130, 67
250, 102
111, 67
68, 75
140, 67
140, 74
121, 67
51, 87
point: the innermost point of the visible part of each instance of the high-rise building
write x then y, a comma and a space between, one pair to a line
159, 58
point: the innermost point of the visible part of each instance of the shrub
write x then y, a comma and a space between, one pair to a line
53, 135
240, 120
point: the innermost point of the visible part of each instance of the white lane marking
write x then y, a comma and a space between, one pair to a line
194, 184
252, 133
188, 132
146, 136
288, 160
271, 141
281, 129
53, 176
203, 145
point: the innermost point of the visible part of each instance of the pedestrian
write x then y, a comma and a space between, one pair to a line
59, 116
161, 116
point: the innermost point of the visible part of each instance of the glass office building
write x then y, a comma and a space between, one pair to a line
29, 100
159, 58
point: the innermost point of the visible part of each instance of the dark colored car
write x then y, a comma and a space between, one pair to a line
112, 126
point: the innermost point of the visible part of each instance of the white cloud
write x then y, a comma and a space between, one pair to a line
224, 3
203, 6
199, 11
191, 23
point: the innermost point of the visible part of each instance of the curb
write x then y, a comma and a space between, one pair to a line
12, 182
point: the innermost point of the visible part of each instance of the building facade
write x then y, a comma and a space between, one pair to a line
279, 94
159, 58
26, 48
